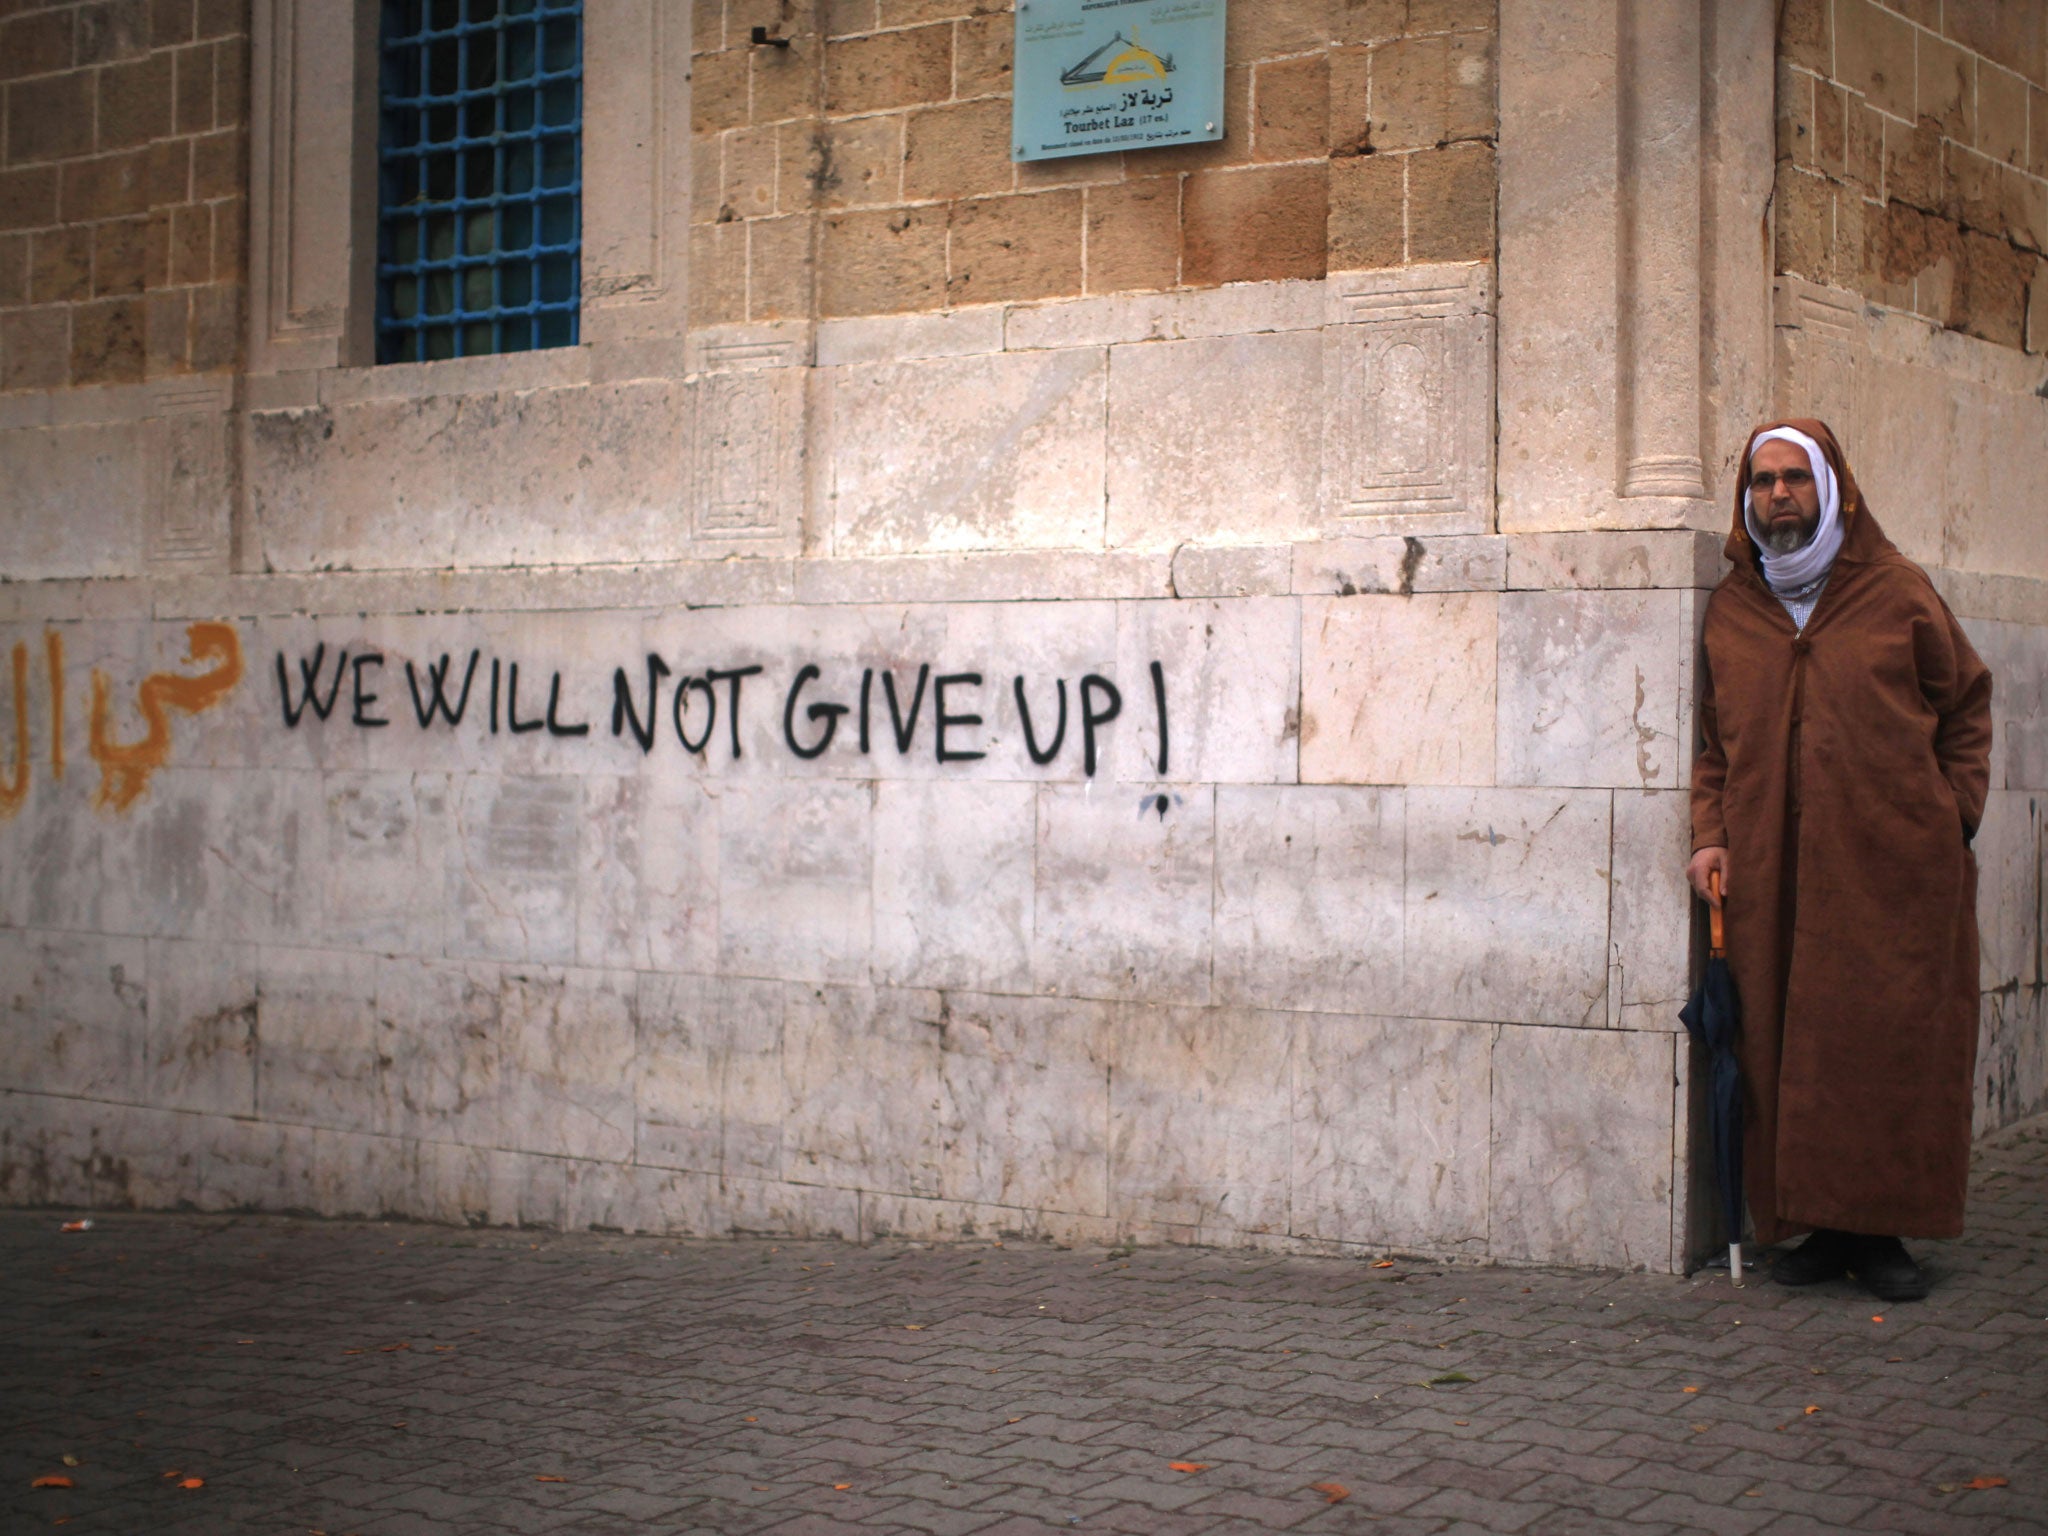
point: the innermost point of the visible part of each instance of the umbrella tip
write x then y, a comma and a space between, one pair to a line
1735, 1262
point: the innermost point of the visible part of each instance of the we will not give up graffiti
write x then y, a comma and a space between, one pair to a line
706, 710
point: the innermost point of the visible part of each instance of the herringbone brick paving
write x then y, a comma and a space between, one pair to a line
392, 1380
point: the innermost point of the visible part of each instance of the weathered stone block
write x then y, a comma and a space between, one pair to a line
1255, 224
1309, 898
794, 880
567, 1062
1589, 688
1200, 1106
953, 885
1392, 1119
439, 1026
510, 881
1398, 690
710, 1089
75, 1011
1231, 676
1217, 439
1124, 892
1581, 1168
1022, 247
316, 1038
910, 461
1649, 946
861, 1074
1024, 1102
202, 1027
1507, 893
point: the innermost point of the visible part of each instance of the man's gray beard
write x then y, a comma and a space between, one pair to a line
1791, 536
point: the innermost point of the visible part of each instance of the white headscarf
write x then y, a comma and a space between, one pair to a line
1812, 560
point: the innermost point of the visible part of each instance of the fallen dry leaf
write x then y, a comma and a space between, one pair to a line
1384, 1264
1977, 1483
913, 1327
1876, 1319
83, 1225
52, 1482
386, 1349
245, 1341
192, 1482
1813, 1407
549, 1477
750, 1419
1462, 1423
1752, 1493
351, 1351
1189, 1466
1692, 1389
1700, 1429
841, 1487
1448, 1379
1333, 1493
68, 1459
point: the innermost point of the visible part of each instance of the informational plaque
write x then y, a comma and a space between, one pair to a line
1100, 75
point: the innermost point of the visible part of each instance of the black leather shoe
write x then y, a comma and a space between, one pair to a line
1887, 1270
1823, 1256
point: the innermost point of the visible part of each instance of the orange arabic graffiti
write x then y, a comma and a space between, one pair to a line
125, 767
53, 643
14, 790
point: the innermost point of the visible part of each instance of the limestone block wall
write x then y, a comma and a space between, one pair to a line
865, 167
1949, 435
123, 190
1913, 159
1282, 969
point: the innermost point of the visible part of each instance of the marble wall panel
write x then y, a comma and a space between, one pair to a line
386, 845
2012, 1057
1024, 1102
73, 1013
999, 451
438, 1033
1998, 462
230, 855
795, 880
1217, 440
953, 875
1582, 1147
317, 1059
862, 1089
1506, 910
1200, 1118
1125, 892
710, 1096
1309, 897
2017, 655
1590, 688
1392, 1120
2009, 849
483, 1186
1398, 690
509, 885
52, 857
1232, 677
77, 498
1651, 918
45, 1156
567, 1062
469, 480
647, 882
202, 1027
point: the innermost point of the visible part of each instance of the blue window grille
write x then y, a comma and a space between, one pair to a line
479, 228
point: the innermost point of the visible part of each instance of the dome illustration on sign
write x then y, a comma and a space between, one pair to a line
1135, 62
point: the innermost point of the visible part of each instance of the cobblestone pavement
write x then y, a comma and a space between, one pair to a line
386, 1379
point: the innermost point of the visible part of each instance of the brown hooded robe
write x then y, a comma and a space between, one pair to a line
1844, 770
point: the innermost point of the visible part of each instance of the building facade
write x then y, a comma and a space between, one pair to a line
1133, 696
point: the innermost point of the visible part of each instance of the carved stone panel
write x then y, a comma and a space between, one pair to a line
191, 476
746, 430
1408, 371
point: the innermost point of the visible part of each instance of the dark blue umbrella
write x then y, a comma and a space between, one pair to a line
1713, 1017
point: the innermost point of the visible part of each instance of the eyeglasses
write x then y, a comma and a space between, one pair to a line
1763, 482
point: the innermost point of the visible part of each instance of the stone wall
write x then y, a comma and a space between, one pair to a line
123, 189
1345, 912
1913, 158
865, 168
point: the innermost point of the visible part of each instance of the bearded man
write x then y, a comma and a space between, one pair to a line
1846, 729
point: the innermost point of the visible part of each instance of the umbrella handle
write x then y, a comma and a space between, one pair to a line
1717, 938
